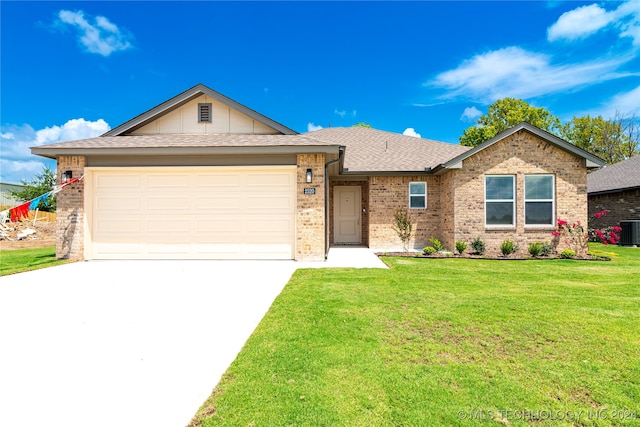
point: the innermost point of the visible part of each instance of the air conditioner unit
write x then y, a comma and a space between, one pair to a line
630, 234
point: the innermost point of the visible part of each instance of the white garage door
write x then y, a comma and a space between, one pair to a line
191, 213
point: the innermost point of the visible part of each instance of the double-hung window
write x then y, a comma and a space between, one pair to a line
500, 204
417, 195
539, 200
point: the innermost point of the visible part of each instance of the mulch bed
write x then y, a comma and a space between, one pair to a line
497, 258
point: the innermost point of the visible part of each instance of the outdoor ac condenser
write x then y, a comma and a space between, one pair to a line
630, 234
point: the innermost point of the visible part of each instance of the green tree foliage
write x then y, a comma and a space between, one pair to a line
504, 114
40, 184
612, 140
362, 125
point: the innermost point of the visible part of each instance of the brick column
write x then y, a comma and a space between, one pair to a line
310, 239
70, 211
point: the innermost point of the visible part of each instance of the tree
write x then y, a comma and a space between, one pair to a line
504, 114
42, 183
613, 140
362, 125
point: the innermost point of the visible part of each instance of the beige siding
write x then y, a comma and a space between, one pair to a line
224, 120
191, 213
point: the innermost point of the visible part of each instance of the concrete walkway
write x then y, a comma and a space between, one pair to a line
131, 343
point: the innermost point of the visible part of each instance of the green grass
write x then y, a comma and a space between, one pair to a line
432, 340
19, 260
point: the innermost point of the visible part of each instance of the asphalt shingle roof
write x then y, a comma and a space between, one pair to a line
372, 150
625, 174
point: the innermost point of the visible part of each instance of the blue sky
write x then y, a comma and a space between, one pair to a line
73, 70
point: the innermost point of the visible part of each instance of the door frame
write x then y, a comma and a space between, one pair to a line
336, 209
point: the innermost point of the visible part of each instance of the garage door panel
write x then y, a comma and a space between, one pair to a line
118, 181
168, 181
117, 203
193, 213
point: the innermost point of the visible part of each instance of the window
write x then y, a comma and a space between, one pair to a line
539, 200
499, 199
204, 112
417, 195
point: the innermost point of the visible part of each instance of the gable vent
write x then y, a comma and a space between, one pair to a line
204, 113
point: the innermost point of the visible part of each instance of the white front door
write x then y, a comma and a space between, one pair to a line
346, 214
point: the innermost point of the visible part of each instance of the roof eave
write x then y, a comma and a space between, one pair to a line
53, 153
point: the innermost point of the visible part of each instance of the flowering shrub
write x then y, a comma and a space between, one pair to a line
607, 235
576, 237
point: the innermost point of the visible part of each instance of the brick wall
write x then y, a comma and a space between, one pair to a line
621, 205
386, 195
310, 219
519, 154
70, 211
364, 186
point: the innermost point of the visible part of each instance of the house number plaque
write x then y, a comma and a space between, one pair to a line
309, 191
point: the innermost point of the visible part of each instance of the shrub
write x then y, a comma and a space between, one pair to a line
547, 249
429, 250
535, 249
606, 235
508, 247
403, 227
478, 246
461, 246
438, 246
567, 253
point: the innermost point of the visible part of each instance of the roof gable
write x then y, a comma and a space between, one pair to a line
592, 160
617, 177
143, 123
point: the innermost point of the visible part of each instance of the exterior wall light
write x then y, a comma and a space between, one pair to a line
309, 176
66, 176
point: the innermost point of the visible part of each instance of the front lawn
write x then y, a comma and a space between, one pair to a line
19, 260
435, 342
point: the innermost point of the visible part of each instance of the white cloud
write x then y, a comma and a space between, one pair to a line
102, 36
585, 21
625, 104
311, 127
470, 114
515, 72
411, 132
341, 113
17, 161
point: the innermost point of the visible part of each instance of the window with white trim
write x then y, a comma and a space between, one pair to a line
499, 200
417, 195
539, 200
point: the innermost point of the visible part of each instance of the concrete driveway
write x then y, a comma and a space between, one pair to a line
131, 343
125, 343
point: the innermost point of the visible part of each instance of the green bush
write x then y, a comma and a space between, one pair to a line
437, 245
547, 249
429, 250
461, 246
567, 253
508, 247
535, 249
478, 246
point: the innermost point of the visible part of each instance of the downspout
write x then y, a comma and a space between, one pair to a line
326, 200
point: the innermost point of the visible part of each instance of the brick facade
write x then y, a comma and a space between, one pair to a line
620, 205
310, 213
70, 211
519, 154
390, 193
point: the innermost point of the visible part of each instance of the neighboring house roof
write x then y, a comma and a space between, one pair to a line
185, 144
592, 160
372, 150
620, 176
186, 96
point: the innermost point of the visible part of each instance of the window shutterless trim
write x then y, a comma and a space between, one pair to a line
552, 200
512, 201
423, 194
